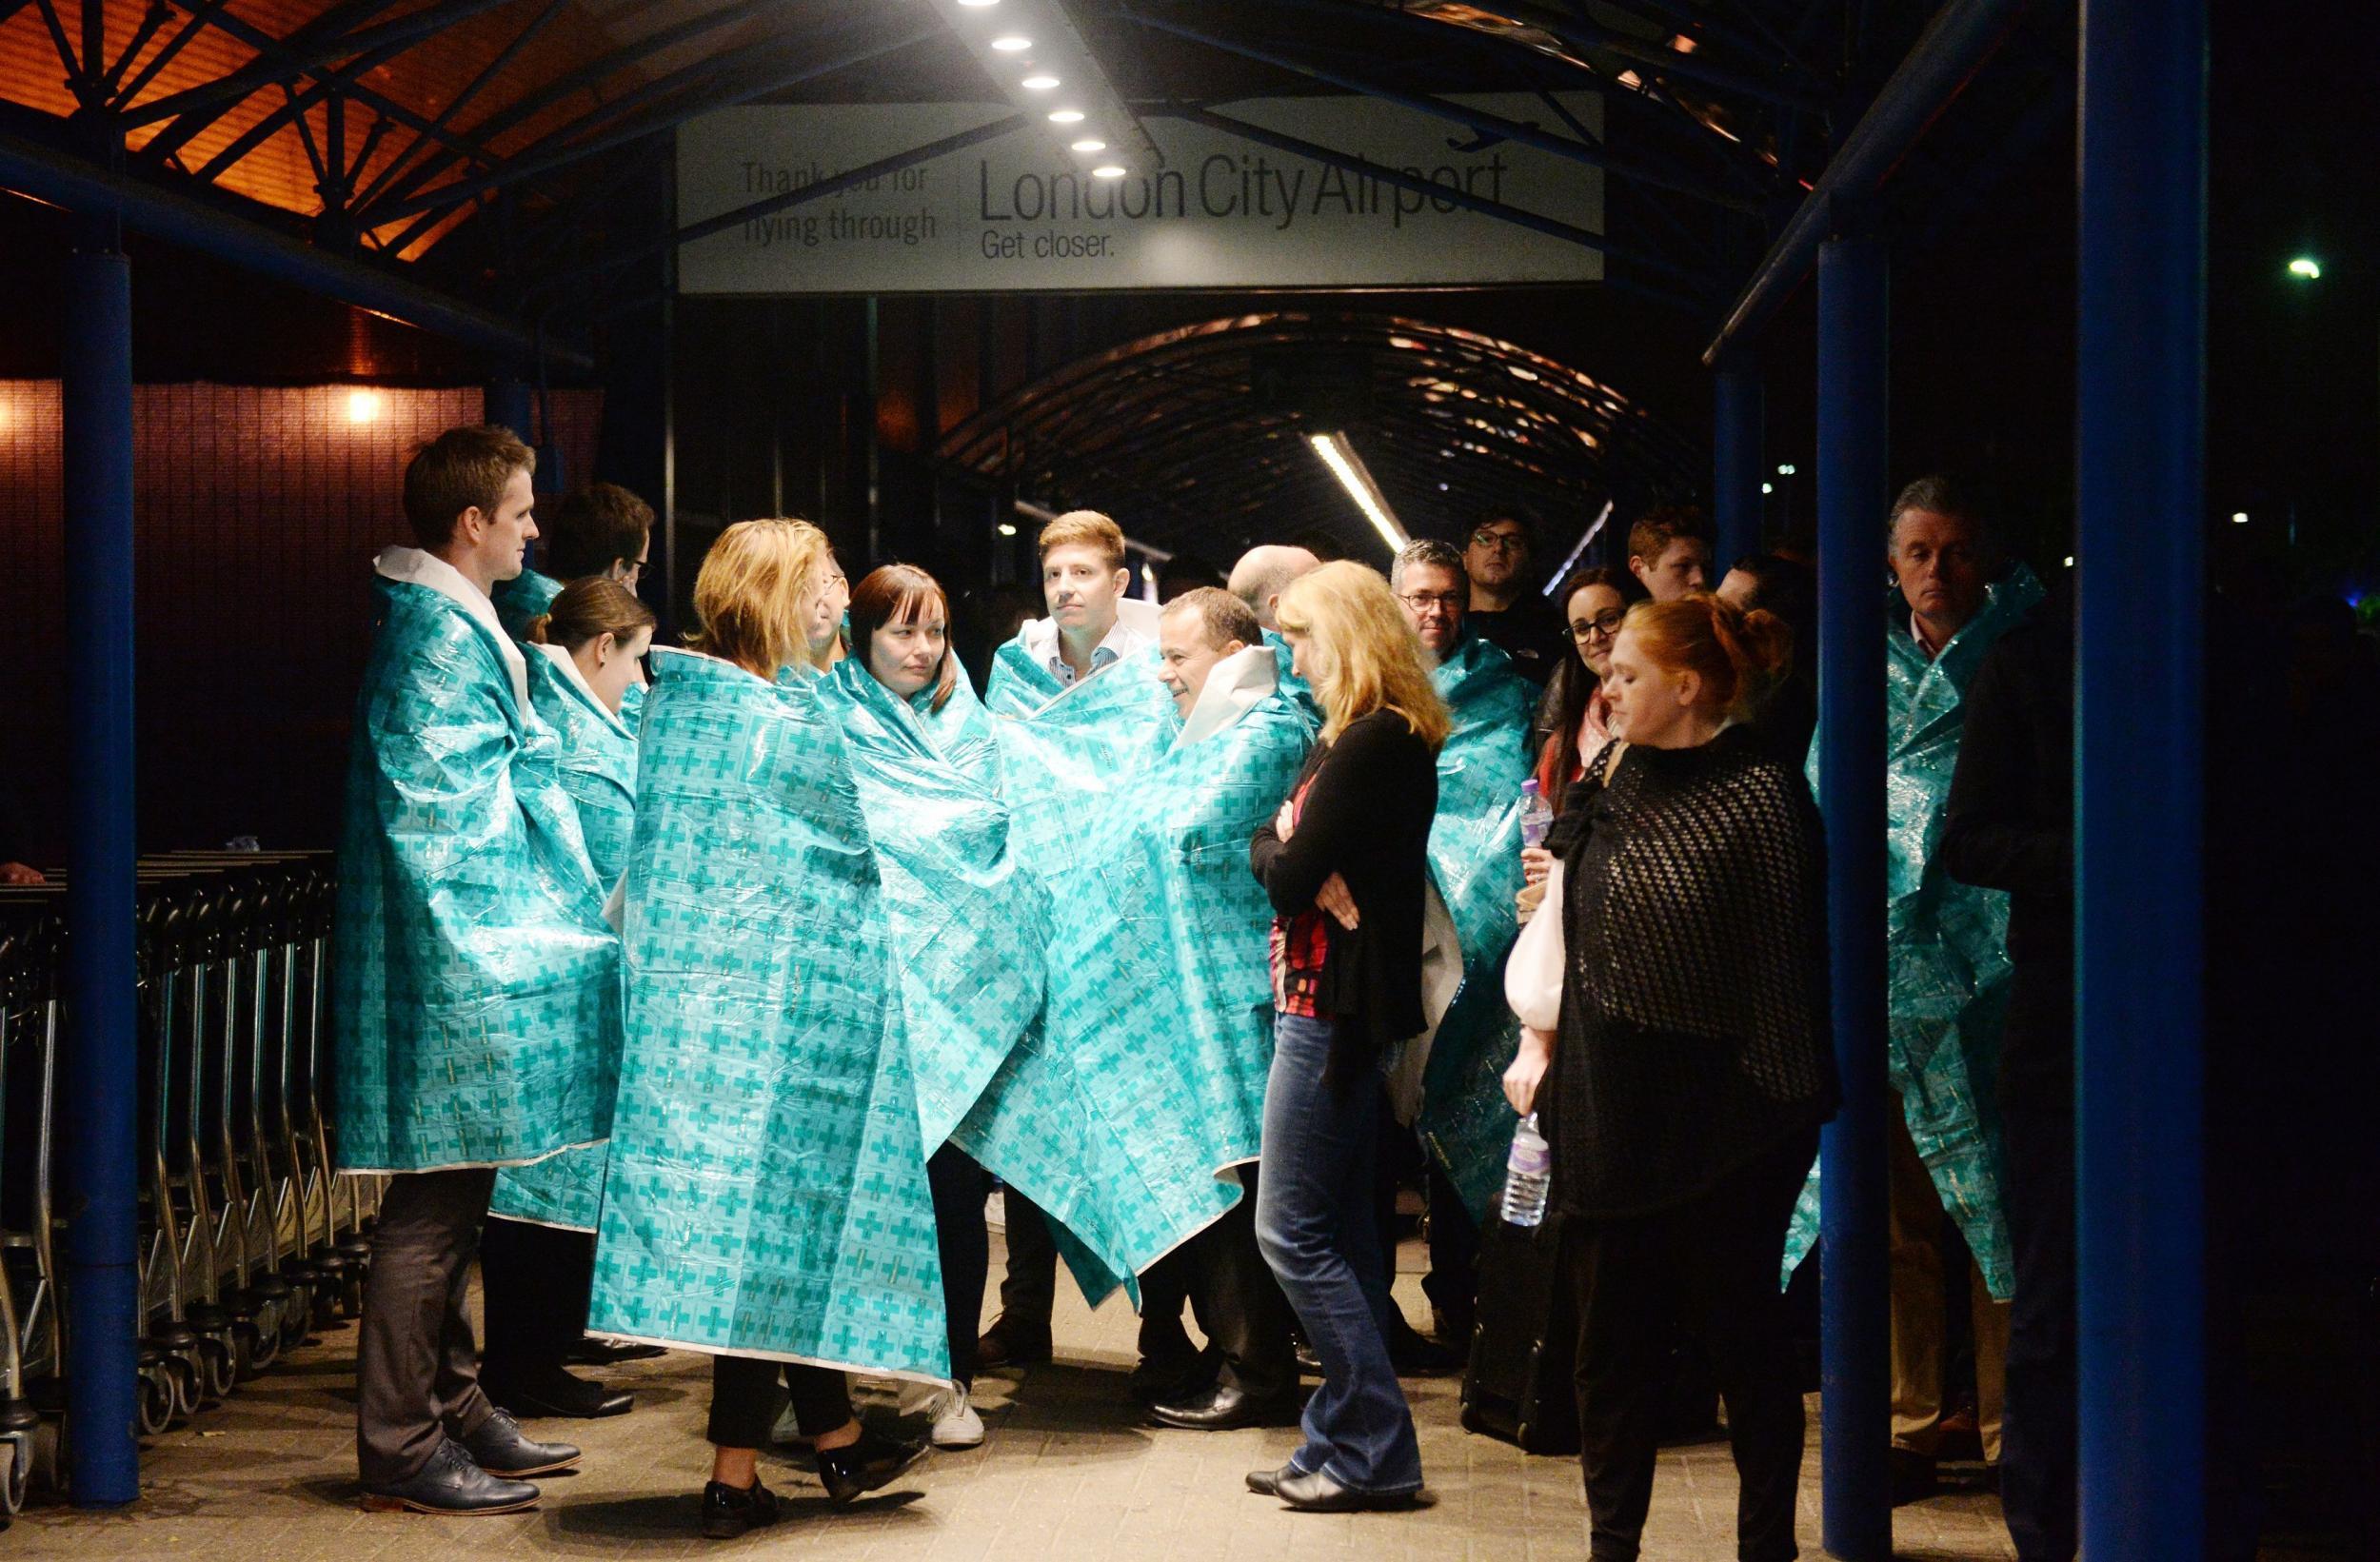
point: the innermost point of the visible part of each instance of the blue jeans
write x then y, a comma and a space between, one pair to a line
1314, 1222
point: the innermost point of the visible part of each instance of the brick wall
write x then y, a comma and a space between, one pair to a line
256, 510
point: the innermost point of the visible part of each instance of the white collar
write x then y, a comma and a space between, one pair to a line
413, 566
572, 672
1235, 685
1134, 626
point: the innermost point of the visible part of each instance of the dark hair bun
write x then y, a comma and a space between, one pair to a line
535, 630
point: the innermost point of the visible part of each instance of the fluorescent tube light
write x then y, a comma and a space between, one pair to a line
1339, 456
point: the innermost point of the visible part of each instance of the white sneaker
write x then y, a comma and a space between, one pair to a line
956, 1425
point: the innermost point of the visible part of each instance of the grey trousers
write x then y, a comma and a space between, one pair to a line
416, 1368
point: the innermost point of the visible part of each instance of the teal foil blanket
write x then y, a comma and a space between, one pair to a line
1945, 943
969, 924
523, 598
1474, 859
1146, 1079
475, 999
598, 769
767, 1194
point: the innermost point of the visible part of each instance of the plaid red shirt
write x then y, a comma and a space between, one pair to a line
1301, 943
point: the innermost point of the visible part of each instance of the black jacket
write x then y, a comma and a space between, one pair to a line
1367, 819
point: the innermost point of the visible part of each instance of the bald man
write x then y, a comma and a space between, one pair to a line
1264, 572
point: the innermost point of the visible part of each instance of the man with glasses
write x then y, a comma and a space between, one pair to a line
1504, 609
1475, 864
600, 529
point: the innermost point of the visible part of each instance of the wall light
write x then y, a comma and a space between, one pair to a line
2305, 267
1339, 456
2070, 561
1065, 116
1008, 529
1768, 487
363, 405
1016, 43
1038, 84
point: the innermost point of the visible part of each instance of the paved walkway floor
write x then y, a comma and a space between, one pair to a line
1068, 1472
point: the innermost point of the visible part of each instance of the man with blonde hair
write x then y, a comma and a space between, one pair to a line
1084, 581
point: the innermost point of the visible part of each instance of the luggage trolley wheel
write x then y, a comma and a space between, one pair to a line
16, 1465
158, 1400
218, 1364
330, 1289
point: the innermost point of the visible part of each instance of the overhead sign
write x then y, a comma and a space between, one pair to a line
1015, 215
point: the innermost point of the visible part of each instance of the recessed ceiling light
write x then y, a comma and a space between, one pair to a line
1013, 43
1038, 84
1065, 116
979, 4
1108, 170
1090, 143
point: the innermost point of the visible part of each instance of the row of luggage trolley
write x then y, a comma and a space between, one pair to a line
247, 1240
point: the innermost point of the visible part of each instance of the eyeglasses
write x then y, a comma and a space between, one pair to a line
1503, 542
1605, 624
1421, 601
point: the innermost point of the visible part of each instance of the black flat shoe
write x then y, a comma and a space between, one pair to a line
1414, 1354
730, 1510
1266, 1483
1318, 1494
450, 1483
862, 1467
501, 1448
591, 1351
1227, 1408
556, 1393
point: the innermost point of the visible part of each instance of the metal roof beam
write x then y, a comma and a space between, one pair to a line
308, 47
47, 174
454, 106
1581, 34
587, 76
796, 62
1954, 47
152, 21
218, 17
191, 27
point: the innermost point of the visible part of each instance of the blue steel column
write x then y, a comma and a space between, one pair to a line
505, 404
2139, 507
1736, 408
102, 1060
1856, 1413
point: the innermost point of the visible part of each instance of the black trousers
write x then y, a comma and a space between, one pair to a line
744, 1401
2040, 1465
1238, 1304
534, 1282
1453, 1282
1028, 1288
1708, 1267
416, 1369
960, 1188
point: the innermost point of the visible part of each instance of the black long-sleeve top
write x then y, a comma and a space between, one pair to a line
1366, 818
2009, 823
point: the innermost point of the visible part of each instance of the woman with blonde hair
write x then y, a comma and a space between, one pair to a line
1344, 864
767, 1199
1675, 1049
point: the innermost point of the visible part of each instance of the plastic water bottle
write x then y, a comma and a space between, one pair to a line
1528, 1173
1536, 817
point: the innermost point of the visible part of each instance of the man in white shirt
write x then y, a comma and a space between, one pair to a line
1082, 579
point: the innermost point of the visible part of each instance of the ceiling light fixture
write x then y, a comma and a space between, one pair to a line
978, 5
1013, 43
1038, 84
363, 405
1065, 116
1090, 143
1339, 456
1108, 170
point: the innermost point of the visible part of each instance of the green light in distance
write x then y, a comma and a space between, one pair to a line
2305, 267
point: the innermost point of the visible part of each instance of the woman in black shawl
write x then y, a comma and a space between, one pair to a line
1675, 1049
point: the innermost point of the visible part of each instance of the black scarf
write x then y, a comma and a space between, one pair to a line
1695, 1032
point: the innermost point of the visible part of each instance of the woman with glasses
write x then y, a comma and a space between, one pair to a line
1573, 722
